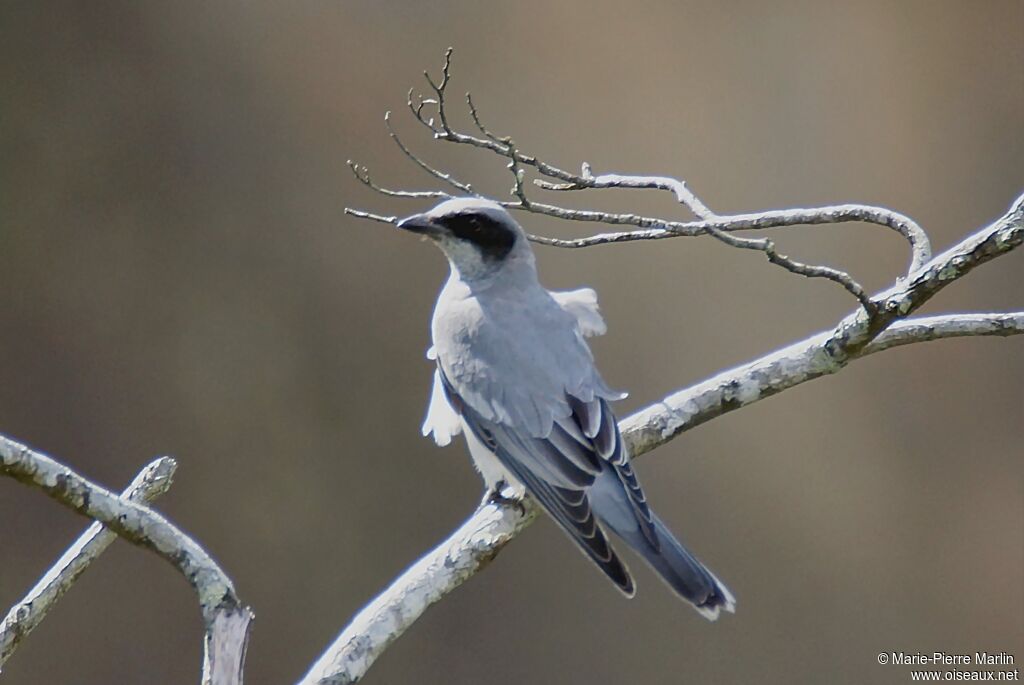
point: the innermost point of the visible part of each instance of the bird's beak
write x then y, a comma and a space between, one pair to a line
419, 223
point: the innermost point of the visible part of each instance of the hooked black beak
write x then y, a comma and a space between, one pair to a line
419, 223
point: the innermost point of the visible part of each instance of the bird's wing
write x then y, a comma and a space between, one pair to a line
582, 304
514, 359
559, 468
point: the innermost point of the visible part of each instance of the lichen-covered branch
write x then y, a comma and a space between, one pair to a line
927, 328
22, 619
225, 618
792, 365
382, 621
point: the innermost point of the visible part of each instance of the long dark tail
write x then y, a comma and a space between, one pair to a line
689, 578
680, 570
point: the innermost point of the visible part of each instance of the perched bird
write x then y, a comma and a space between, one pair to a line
515, 376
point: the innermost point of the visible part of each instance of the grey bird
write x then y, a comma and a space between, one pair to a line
516, 377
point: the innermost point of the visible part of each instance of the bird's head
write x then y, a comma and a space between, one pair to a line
478, 236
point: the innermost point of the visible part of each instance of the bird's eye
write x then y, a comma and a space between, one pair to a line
493, 238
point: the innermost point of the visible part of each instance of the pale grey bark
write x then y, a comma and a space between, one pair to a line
382, 621
225, 618
493, 525
22, 619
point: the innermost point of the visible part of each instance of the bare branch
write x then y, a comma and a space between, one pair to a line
417, 110
926, 328
22, 619
363, 175
654, 228
518, 175
493, 524
371, 216
225, 618
439, 88
855, 336
468, 550
904, 225
475, 115
914, 234
436, 173
587, 180
810, 271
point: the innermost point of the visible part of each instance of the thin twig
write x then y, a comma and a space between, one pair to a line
436, 173
363, 175
439, 88
475, 115
371, 216
767, 246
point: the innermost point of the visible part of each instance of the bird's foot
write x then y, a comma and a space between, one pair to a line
504, 495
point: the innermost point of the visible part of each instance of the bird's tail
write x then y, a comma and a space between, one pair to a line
687, 577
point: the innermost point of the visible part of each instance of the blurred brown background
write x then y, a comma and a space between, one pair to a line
178, 278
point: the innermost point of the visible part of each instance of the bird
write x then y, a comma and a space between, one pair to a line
515, 376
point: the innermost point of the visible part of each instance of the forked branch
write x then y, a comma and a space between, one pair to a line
225, 618
432, 112
26, 615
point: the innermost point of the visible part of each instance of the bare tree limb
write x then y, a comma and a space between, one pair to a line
927, 328
29, 612
225, 618
468, 550
830, 351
